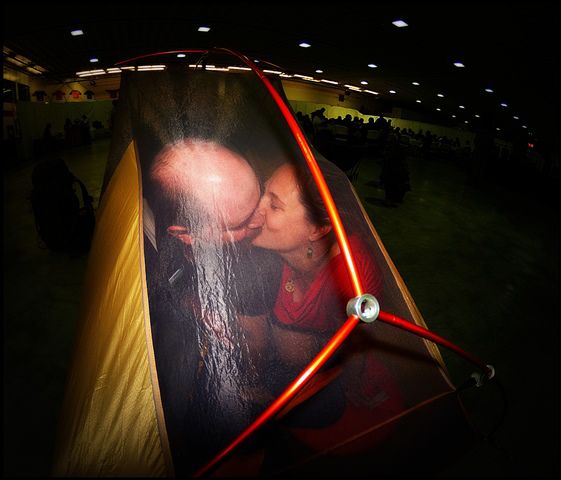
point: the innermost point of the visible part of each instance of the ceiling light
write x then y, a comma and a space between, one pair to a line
440, 95
364, 82
23, 59
465, 121
15, 61
504, 105
524, 126
204, 29
76, 33
415, 83
399, 23
256, 61
453, 116
87, 73
304, 45
516, 118
459, 64
330, 81
93, 60
180, 55
319, 71
498, 128
145, 68
393, 91
372, 65
438, 109
33, 70
476, 115
418, 101
372, 91
461, 106
489, 90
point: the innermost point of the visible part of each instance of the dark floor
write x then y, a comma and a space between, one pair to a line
480, 261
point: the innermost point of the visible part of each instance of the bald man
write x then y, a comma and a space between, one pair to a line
215, 188
209, 292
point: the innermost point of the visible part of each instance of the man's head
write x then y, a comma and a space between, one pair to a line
213, 190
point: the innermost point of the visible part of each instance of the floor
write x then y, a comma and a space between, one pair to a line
481, 262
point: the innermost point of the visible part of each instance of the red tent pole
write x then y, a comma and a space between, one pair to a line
288, 393
423, 332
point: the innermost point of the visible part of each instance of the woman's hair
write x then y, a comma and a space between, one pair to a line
310, 197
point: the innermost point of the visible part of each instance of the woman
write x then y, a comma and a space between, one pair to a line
311, 306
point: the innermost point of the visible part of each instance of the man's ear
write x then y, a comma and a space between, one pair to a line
181, 233
319, 232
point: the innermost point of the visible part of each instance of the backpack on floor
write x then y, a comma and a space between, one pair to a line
64, 222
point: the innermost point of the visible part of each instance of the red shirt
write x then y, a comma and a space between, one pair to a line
323, 307
374, 397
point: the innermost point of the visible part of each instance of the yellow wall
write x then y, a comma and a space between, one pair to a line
307, 98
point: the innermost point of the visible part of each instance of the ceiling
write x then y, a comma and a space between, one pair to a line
510, 47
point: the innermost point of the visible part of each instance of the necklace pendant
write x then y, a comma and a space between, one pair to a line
289, 286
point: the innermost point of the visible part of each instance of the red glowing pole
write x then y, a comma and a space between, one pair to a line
316, 173
423, 332
288, 394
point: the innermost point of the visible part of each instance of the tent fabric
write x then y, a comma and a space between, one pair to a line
109, 425
164, 374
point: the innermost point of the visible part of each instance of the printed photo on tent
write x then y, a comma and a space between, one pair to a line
216, 277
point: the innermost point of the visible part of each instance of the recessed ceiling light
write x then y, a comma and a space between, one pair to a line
438, 109
319, 71
93, 60
476, 115
504, 105
364, 82
498, 128
180, 55
256, 61
489, 90
415, 83
461, 106
418, 101
524, 126
304, 45
516, 118
453, 116
399, 23
204, 29
459, 64
393, 91
372, 65
440, 95
76, 33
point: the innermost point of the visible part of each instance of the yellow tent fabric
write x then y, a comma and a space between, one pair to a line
110, 378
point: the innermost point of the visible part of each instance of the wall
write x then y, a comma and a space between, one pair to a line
307, 98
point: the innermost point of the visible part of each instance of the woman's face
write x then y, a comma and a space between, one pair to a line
280, 216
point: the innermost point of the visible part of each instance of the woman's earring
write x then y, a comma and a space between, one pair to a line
310, 251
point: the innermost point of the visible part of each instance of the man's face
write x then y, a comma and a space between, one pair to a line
220, 188
228, 218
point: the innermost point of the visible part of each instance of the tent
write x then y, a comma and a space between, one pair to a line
165, 373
